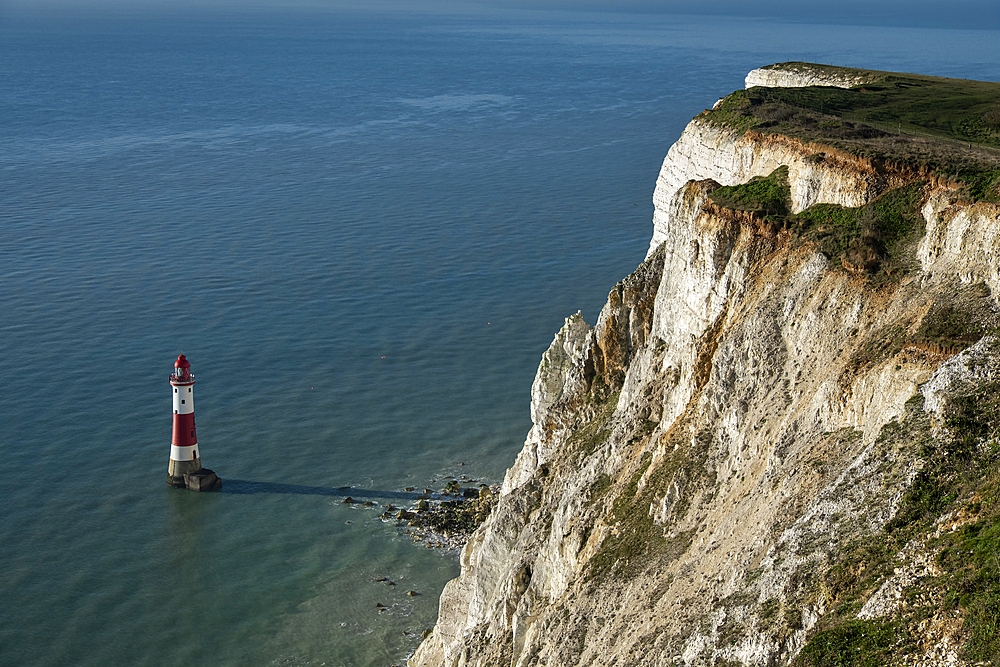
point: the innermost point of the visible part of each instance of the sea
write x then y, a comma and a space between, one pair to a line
362, 228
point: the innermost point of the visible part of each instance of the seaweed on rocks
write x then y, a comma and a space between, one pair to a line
447, 524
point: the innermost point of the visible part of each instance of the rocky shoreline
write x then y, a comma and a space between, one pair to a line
445, 520
442, 519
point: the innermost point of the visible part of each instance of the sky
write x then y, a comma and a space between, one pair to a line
968, 14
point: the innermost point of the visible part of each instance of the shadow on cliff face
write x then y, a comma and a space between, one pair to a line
242, 487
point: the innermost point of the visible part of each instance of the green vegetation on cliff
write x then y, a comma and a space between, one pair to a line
951, 126
765, 195
961, 478
876, 239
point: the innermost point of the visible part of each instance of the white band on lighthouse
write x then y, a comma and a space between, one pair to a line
183, 453
183, 400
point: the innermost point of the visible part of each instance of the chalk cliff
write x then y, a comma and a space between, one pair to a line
744, 414
797, 75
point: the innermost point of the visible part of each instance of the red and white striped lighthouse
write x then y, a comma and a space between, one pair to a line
185, 465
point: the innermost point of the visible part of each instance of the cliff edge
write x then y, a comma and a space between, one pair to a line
779, 442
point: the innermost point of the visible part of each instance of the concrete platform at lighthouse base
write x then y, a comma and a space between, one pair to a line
199, 480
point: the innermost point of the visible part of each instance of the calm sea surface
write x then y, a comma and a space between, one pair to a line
363, 230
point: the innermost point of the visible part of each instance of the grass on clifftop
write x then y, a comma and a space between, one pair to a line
949, 125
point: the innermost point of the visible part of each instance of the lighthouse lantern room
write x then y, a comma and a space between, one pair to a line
184, 470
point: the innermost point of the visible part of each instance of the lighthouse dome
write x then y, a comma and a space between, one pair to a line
182, 371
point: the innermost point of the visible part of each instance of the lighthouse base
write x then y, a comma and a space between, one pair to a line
190, 475
203, 480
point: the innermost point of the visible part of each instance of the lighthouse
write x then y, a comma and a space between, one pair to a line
184, 470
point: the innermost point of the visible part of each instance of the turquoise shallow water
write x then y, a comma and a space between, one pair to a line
363, 230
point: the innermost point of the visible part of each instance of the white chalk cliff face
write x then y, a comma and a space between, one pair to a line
729, 158
700, 454
798, 75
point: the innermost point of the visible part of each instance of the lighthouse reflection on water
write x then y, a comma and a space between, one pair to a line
184, 470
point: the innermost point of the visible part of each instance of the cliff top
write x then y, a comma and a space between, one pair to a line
948, 126
797, 74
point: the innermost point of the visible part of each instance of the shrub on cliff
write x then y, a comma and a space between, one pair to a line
769, 196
